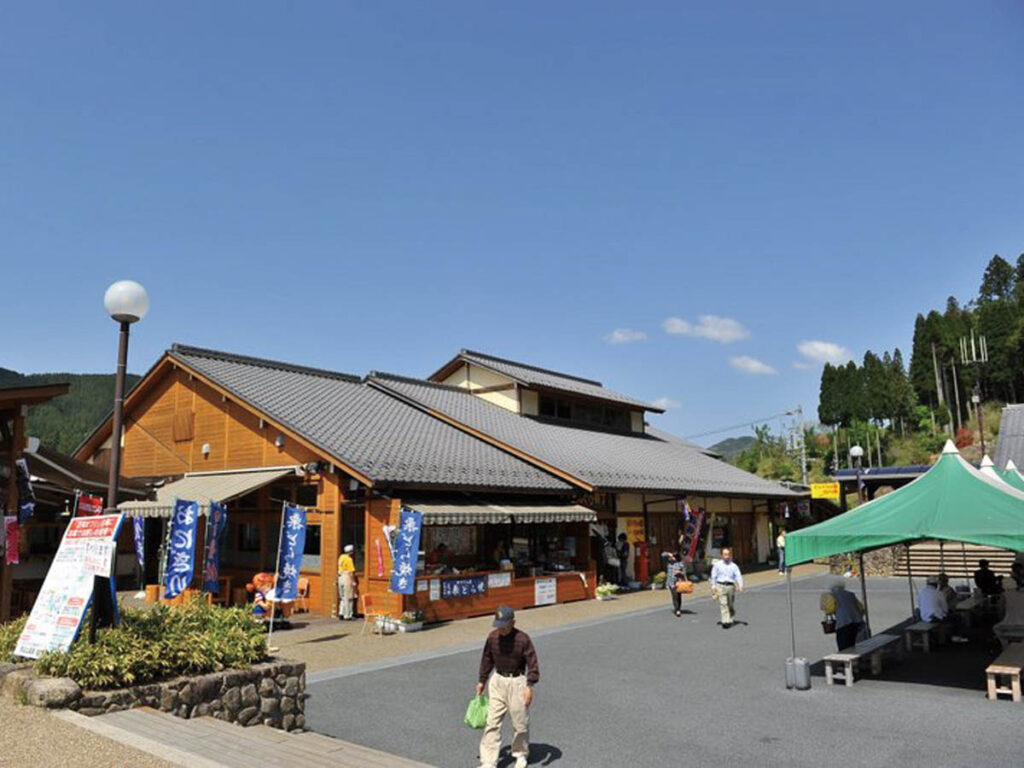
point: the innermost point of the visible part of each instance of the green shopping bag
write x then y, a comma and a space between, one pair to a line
476, 712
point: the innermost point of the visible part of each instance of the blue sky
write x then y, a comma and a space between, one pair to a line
373, 186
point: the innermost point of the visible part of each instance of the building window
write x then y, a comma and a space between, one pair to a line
248, 538
311, 554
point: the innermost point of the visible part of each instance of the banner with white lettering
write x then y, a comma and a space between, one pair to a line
181, 552
293, 543
139, 529
407, 550
216, 522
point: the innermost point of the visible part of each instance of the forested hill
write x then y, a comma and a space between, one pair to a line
732, 446
64, 422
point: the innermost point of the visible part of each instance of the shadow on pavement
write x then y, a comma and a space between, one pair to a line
540, 754
950, 665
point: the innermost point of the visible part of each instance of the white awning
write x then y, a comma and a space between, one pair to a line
472, 513
205, 487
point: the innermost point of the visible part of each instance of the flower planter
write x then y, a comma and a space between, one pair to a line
415, 626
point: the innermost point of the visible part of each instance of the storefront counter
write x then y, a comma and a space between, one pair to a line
458, 596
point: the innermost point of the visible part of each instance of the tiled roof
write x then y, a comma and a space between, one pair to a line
670, 438
1010, 444
541, 377
372, 432
608, 461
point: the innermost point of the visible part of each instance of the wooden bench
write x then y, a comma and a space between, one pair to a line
1008, 665
967, 607
843, 665
920, 634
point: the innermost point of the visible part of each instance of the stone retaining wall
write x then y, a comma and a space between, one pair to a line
270, 694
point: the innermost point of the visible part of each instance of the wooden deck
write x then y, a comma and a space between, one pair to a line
208, 743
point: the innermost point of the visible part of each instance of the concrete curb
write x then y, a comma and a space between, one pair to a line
141, 743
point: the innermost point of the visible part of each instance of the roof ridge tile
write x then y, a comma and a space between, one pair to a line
261, 362
529, 367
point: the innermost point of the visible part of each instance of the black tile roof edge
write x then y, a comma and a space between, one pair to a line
527, 366
184, 349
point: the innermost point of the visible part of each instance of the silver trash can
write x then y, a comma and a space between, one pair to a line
798, 673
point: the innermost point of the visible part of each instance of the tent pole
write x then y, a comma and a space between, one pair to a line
792, 621
963, 548
910, 582
864, 593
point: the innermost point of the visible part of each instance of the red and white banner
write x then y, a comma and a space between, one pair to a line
67, 589
89, 505
12, 537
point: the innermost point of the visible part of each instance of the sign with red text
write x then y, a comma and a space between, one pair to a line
67, 590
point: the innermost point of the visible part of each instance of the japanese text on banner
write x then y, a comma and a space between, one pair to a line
181, 552
407, 550
293, 544
216, 522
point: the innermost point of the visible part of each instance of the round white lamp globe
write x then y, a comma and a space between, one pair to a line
126, 301
856, 452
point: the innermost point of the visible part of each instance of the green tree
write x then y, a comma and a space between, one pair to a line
998, 281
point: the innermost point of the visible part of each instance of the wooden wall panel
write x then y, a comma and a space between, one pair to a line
519, 595
329, 502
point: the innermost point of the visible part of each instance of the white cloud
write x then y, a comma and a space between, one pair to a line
802, 366
724, 330
666, 403
824, 352
751, 365
624, 336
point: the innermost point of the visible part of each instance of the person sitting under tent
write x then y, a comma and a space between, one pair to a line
932, 606
986, 580
952, 598
1017, 569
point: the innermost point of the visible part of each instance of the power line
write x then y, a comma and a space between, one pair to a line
750, 423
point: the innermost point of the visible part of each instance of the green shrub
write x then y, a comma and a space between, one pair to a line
9, 634
156, 644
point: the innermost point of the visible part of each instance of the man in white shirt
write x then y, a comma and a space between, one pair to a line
726, 579
931, 602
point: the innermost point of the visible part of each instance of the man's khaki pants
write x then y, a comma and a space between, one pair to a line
727, 601
506, 697
346, 595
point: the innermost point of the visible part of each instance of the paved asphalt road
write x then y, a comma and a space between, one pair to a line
650, 689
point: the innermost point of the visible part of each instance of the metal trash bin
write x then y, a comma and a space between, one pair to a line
798, 673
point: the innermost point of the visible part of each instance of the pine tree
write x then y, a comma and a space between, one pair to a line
998, 281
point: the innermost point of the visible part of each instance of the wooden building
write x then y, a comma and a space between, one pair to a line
501, 458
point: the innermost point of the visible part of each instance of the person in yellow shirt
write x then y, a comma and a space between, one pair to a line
346, 584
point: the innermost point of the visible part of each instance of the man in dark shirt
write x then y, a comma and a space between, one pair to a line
986, 581
509, 653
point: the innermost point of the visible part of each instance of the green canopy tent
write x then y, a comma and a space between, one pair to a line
1012, 476
952, 501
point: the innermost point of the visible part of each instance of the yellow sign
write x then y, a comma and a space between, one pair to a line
635, 532
825, 491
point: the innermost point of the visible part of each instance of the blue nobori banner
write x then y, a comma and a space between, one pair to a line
407, 550
293, 542
216, 522
182, 548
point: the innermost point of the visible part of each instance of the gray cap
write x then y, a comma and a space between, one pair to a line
503, 616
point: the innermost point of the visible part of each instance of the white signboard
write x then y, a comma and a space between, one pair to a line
435, 589
421, 585
97, 557
499, 580
58, 611
545, 591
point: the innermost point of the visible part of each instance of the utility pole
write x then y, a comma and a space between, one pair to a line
976, 354
797, 434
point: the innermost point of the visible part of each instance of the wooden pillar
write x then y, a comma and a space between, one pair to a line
329, 503
17, 445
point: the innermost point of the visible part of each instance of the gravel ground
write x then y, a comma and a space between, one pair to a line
30, 736
650, 689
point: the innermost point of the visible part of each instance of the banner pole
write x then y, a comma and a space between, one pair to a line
792, 620
864, 592
277, 566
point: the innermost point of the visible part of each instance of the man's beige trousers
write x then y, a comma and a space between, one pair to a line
506, 697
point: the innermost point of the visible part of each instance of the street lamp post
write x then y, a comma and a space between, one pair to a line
126, 302
856, 453
976, 400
